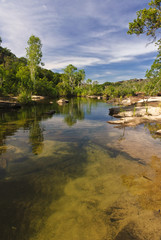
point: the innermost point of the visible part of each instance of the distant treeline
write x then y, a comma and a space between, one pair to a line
15, 79
24, 76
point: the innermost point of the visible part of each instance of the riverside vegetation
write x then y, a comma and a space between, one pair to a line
23, 77
73, 176
147, 22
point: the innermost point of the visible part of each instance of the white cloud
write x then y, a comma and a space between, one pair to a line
82, 33
80, 62
119, 51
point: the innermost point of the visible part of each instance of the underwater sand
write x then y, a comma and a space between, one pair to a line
81, 179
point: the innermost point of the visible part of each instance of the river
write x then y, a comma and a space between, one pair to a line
72, 176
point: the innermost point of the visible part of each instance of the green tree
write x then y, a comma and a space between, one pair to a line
156, 66
63, 87
2, 75
23, 74
52, 77
148, 20
8, 72
44, 87
70, 73
0, 41
79, 77
154, 74
34, 55
6, 54
89, 81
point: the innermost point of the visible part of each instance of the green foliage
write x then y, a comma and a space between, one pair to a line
120, 89
69, 72
71, 81
154, 86
52, 77
2, 92
96, 90
23, 74
155, 70
79, 77
5, 55
148, 20
2, 74
63, 89
34, 55
9, 65
44, 87
24, 97
78, 91
16, 78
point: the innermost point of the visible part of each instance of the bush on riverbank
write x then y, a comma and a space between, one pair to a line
24, 97
15, 80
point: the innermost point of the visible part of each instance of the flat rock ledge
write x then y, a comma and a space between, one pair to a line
8, 104
134, 114
134, 121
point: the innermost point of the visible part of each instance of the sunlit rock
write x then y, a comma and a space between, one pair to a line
158, 132
62, 101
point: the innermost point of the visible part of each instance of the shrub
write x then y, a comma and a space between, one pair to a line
24, 97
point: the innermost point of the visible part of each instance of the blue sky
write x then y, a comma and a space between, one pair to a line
90, 34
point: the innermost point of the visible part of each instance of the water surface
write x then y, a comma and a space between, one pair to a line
73, 176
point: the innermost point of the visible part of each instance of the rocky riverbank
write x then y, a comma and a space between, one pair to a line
12, 102
5, 104
134, 111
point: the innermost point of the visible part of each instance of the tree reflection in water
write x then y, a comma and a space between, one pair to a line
73, 112
36, 137
29, 118
153, 127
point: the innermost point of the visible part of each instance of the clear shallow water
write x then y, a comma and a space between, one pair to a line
72, 176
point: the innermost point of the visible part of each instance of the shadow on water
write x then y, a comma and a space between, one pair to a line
61, 177
31, 181
25, 199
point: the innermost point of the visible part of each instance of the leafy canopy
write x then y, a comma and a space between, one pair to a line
33, 51
34, 55
148, 20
